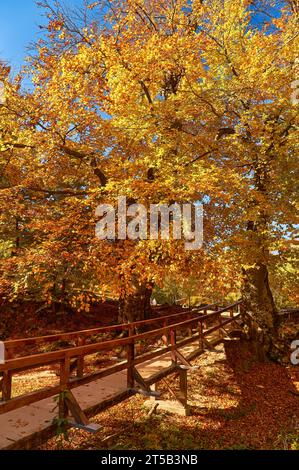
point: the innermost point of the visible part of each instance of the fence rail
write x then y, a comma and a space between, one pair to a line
15, 344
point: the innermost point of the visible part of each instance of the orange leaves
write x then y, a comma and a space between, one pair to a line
151, 90
91, 6
55, 25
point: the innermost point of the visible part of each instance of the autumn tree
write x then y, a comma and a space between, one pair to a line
163, 101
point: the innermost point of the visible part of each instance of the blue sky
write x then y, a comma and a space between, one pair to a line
19, 20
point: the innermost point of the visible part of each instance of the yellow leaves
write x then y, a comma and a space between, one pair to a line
93, 5
55, 25
152, 92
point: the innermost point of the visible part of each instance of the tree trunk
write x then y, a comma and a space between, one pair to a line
257, 296
258, 302
135, 306
256, 293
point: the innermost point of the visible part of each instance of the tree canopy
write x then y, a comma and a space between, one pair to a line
158, 101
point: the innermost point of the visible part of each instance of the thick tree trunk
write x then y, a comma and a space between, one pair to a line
257, 296
259, 304
136, 305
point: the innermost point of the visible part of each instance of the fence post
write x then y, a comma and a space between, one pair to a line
173, 345
242, 309
7, 377
190, 327
183, 387
200, 331
130, 360
80, 360
220, 323
6, 385
65, 366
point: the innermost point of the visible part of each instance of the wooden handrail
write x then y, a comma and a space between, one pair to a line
73, 335
54, 356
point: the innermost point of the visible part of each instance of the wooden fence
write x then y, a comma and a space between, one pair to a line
173, 332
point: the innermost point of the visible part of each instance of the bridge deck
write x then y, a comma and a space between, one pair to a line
26, 421
19, 426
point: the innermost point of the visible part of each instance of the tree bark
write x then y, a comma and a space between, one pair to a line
257, 296
135, 306
259, 304
256, 293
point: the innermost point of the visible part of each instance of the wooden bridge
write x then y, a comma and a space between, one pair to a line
152, 349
